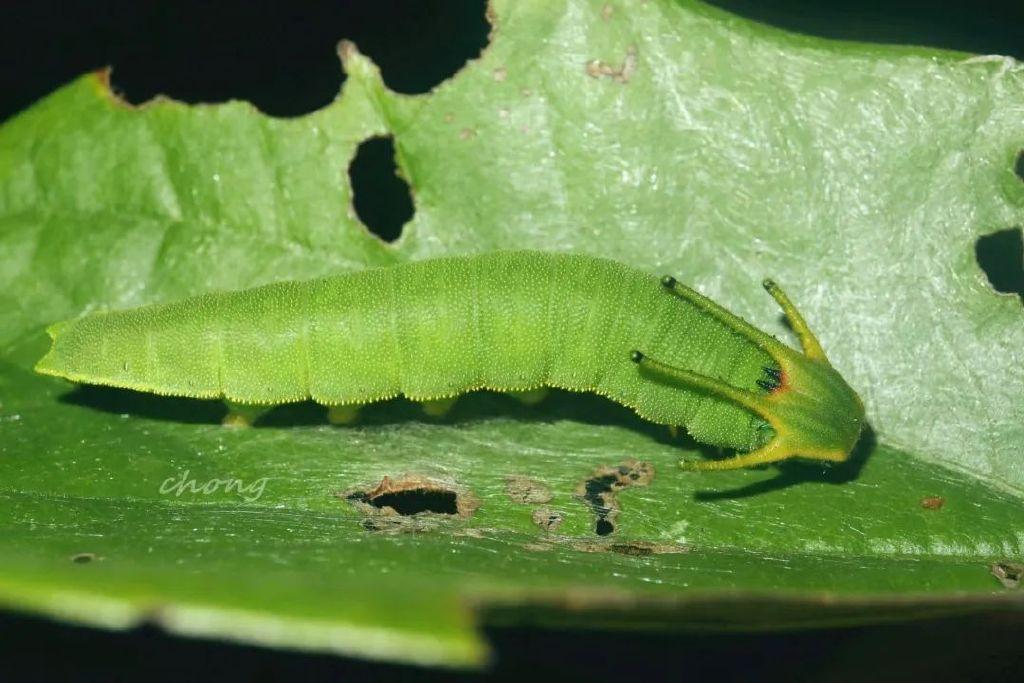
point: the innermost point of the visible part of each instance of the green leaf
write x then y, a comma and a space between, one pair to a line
669, 136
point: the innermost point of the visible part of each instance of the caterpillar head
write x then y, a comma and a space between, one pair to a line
813, 411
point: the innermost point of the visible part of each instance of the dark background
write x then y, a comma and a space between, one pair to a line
281, 57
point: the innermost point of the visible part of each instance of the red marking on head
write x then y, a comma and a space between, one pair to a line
783, 382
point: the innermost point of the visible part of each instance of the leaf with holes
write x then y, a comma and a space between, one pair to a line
671, 137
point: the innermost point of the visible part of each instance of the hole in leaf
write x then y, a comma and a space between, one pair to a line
1001, 256
380, 197
600, 490
1018, 166
418, 45
281, 56
395, 504
83, 558
414, 501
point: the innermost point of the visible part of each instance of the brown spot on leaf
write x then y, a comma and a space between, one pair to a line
933, 502
547, 519
632, 548
101, 81
467, 134
526, 491
595, 68
400, 525
538, 547
347, 50
1009, 574
600, 489
500, 74
607, 11
473, 532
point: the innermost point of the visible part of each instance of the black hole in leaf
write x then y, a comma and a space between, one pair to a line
83, 558
597, 486
1018, 166
414, 501
381, 199
1001, 256
595, 490
417, 45
281, 56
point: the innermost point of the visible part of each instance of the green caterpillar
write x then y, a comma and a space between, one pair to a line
507, 321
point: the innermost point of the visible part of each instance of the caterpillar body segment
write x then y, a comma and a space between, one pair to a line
516, 322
